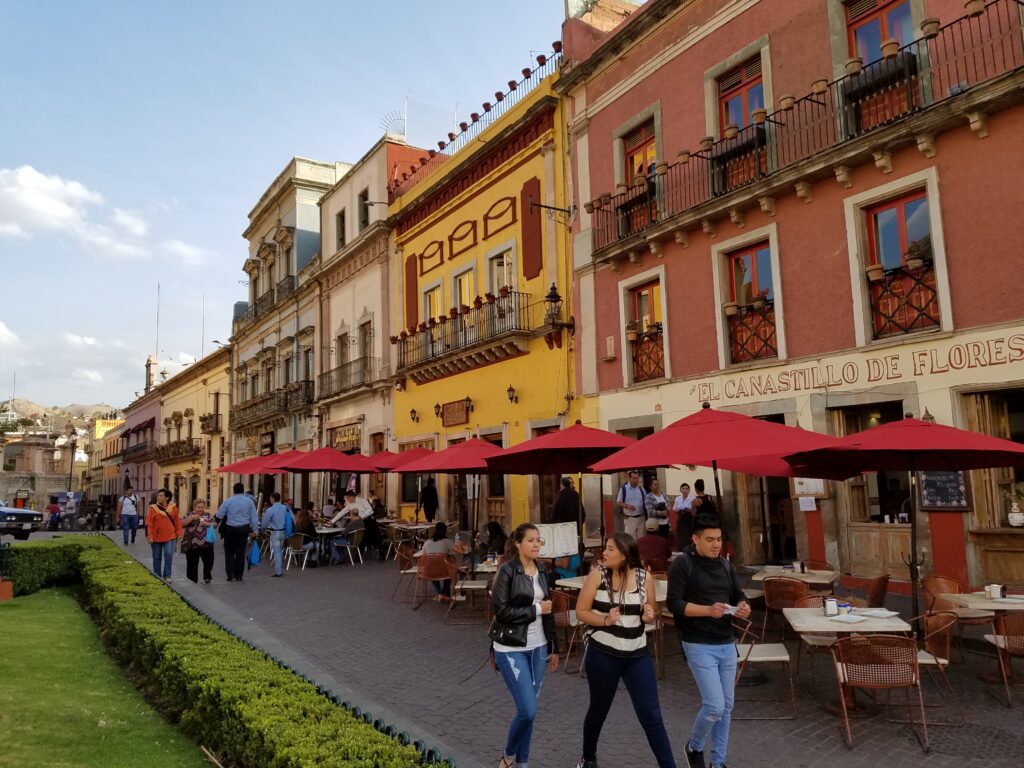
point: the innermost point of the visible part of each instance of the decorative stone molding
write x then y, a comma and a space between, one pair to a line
883, 160
736, 217
926, 143
682, 237
803, 191
767, 205
844, 175
635, 257
979, 123
708, 227
655, 247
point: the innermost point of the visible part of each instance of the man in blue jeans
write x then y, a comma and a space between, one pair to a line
703, 595
275, 520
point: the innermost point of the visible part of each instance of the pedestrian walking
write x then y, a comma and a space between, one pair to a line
127, 513
630, 501
616, 601
656, 507
429, 500
275, 520
163, 529
239, 524
195, 542
523, 637
703, 594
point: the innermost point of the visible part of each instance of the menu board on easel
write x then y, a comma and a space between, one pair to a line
941, 491
808, 486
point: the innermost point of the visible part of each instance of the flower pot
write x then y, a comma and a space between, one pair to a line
683, 156
974, 7
606, 198
464, 309
526, 72
598, 203
731, 131
875, 272
621, 189
453, 311
819, 86
786, 101
890, 47
512, 85
503, 291
431, 322
661, 169
442, 319
631, 335
1016, 517
759, 303
588, 206
478, 302
464, 125
557, 46
394, 339
731, 308
759, 116
707, 143
403, 335
854, 66
474, 116
930, 28
489, 298
421, 327
915, 263
487, 106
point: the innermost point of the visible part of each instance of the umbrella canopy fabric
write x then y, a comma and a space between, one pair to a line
278, 460
709, 437
387, 461
331, 460
910, 444
256, 465
566, 451
466, 457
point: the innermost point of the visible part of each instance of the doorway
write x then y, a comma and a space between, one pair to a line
378, 481
547, 485
767, 532
493, 489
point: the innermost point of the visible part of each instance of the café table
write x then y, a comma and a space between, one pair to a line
817, 578
999, 606
322, 534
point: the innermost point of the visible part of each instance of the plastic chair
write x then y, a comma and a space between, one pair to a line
355, 540
429, 568
816, 642
1008, 638
935, 587
781, 592
750, 651
461, 588
879, 662
298, 545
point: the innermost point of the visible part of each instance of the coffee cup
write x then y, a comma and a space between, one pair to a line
996, 591
831, 606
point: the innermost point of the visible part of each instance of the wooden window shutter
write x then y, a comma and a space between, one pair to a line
640, 136
857, 8
532, 231
411, 290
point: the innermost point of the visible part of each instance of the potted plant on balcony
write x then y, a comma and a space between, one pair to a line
478, 302
503, 291
453, 312
854, 66
464, 309
394, 339
653, 330
974, 7
732, 131
489, 297
731, 308
621, 188
632, 331
875, 272
760, 299
661, 168
431, 322
707, 143
421, 327
403, 336
918, 253
930, 28
787, 101
588, 206
890, 47
606, 199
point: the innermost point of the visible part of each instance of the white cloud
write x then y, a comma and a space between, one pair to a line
75, 340
130, 222
185, 254
8, 338
33, 202
87, 374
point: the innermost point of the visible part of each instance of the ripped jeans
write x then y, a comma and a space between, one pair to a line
523, 673
714, 671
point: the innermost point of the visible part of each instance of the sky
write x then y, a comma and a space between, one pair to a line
136, 137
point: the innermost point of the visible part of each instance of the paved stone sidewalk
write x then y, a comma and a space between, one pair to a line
339, 626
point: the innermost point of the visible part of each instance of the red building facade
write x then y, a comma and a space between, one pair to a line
808, 212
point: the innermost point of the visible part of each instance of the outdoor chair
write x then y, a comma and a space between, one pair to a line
296, 546
935, 587
750, 651
819, 565
429, 568
354, 542
663, 619
406, 570
396, 537
462, 588
1009, 641
816, 642
879, 662
781, 592
933, 656
563, 608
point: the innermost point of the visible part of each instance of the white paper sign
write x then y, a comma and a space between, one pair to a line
808, 504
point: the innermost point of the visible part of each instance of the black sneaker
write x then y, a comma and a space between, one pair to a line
586, 763
694, 759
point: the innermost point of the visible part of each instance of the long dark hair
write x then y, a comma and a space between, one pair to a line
627, 545
511, 551
440, 532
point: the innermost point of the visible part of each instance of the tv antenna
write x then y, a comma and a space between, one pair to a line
394, 122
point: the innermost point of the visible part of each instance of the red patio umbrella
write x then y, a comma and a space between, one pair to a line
910, 445
255, 465
331, 460
278, 460
387, 461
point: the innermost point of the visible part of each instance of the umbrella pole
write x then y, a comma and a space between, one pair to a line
718, 487
600, 510
472, 533
580, 521
915, 574
765, 530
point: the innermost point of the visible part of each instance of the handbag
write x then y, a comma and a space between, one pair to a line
211, 535
254, 555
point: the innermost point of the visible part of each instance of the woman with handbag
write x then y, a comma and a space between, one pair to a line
616, 601
163, 528
523, 637
199, 536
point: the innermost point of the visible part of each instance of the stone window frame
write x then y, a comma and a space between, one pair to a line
625, 288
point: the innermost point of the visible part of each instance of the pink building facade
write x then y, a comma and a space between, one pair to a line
808, 212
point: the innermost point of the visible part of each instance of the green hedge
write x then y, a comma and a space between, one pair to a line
227, 696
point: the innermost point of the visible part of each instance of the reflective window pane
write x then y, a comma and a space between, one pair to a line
887, 238
867, 40
899, 23
919, 241
755, 100
743, 279
764, 273
734, 110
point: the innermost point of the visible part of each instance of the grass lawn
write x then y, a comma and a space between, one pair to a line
65, 703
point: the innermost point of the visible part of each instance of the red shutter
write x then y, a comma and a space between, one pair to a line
532, 239
411, 291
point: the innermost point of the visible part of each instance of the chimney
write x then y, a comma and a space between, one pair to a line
150, 372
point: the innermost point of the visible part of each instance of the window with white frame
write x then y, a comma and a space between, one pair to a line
501, 271
432, 303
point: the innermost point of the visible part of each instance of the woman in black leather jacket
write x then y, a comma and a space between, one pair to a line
523, 636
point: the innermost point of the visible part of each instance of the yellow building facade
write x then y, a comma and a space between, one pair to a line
479, 273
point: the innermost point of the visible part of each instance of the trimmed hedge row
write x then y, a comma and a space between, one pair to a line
224, 694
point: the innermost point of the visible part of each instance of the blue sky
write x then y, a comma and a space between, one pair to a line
135, 137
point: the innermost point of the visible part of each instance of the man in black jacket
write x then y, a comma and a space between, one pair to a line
703, 595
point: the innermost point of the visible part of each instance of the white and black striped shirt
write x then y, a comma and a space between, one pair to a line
627, 638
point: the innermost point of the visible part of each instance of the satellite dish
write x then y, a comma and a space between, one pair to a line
393, 123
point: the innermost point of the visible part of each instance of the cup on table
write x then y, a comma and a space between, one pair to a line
995, 591
831, 606
844, 608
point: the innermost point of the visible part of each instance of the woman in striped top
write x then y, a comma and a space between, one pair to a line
616, 601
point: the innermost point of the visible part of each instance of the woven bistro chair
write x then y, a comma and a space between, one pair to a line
298, 545
781, 592
933, 656
428, 568
934, 588
406, 570
563, 608
1008, 639
819, 565
750, 651
463, 588
879, 663
816, 642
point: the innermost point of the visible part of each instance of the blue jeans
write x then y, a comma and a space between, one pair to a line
523, 673
277, 549
714, 671
129, 523
603, 674
163, 554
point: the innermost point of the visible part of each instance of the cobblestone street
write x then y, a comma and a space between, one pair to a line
432, 674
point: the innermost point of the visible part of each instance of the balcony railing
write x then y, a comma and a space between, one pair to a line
259, 409
926, 72
286, 288
180, 450
209, 423
139, 452
348, 376
265, 303
299, 396
904, 300
752, 332
648, 353
441, 337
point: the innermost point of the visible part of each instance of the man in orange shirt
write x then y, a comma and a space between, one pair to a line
163, 529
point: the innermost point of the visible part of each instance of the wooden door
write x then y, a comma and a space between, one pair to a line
753, 538
988, 413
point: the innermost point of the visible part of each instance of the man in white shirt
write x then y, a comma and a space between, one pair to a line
127, 513
353, 502
630, 501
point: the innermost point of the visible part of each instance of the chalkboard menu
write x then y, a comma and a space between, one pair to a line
943, 490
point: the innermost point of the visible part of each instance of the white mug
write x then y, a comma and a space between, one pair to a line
995, 591
831, 607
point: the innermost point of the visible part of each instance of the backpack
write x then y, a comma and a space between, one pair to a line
289, 524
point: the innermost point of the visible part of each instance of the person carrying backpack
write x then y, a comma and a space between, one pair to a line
127, 513
630, 501
703, 595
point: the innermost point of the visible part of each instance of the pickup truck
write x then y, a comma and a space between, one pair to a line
20, 522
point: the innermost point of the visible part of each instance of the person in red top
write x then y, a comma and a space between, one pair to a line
655, 549
163, 529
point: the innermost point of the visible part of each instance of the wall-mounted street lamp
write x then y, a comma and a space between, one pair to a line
437, 409
512, 396
468, 403
413, 416
553, 318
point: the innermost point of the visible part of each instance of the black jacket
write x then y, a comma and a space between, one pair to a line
703, 581
513, 608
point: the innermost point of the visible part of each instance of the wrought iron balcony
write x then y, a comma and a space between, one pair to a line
348, 376
299, 396
904, 300
286, 288
139, 452
209, 423
180, 450
648, 354
752, 332
258, 410
497, 329
925, 73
